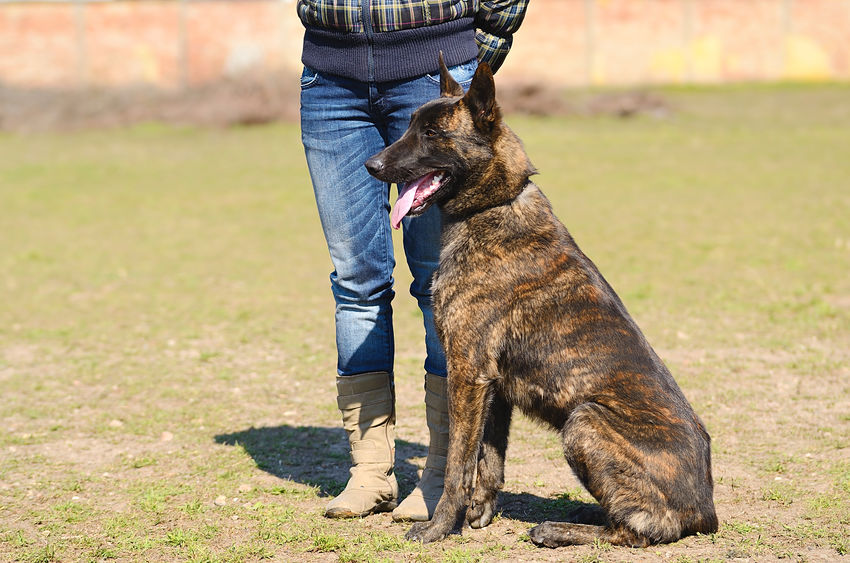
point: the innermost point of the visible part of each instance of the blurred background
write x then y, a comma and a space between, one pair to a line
237, 60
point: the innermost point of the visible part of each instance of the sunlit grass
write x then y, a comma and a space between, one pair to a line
166, 331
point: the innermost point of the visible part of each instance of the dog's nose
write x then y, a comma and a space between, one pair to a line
375, 165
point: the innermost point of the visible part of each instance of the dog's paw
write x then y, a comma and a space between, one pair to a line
542, 535
425, 532
481, 513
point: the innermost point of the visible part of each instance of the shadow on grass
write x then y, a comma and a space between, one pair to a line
318, 457
533, 509
315, 455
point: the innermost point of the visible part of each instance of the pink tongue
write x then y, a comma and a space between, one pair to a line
405, 200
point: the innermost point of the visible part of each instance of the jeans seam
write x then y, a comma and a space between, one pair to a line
388, 269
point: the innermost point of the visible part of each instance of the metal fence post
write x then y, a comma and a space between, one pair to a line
687, 39
786, 19
183, 46
590, 40
81, 41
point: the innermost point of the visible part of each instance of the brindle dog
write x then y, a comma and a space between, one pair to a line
527, 320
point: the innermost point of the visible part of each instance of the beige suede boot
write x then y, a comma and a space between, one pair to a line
367, 404
419, 505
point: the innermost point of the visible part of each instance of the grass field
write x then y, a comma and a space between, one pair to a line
166, 338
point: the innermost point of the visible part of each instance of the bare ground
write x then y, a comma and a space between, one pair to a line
167, 378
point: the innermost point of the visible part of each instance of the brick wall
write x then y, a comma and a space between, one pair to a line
167, 43
173, 43
679, 41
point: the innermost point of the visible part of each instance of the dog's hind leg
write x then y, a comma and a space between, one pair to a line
558, 534
588, 514
631, 476
491, 463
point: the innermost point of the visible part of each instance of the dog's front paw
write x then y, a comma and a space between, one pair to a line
481, 513
426, 532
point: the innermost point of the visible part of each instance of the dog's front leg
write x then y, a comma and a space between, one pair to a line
491, 463
468, 398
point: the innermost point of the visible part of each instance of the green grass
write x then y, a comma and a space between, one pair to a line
166, 334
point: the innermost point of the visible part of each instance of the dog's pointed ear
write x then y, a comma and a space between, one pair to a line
481, 98
449, 87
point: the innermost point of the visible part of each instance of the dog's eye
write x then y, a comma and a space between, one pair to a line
430, 133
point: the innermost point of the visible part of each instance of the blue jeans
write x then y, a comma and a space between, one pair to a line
344, 122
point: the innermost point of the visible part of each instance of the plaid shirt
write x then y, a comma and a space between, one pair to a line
495, 20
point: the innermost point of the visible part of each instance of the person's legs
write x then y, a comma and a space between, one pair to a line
339, 133
422, 250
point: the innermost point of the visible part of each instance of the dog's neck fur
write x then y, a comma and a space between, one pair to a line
498, 182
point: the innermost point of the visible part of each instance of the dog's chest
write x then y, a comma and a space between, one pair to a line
474, 281
466, 267
449, 284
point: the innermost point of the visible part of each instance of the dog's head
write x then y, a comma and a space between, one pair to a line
456, 152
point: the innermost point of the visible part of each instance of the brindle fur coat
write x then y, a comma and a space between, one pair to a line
527, 321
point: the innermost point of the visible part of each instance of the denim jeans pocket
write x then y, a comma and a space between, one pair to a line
309, 77
462, 73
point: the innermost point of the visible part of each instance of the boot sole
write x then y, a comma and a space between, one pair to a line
385, 506
408, 518
415, 516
